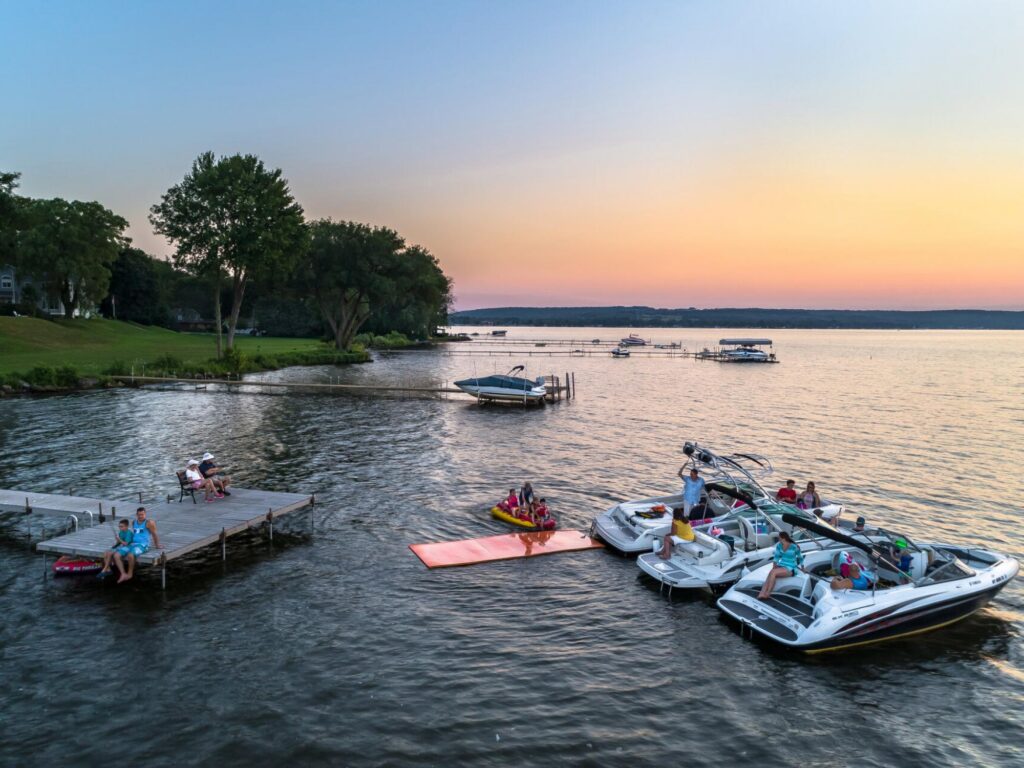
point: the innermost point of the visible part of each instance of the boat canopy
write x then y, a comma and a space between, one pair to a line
747, 342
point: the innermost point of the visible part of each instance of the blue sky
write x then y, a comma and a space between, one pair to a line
602, 148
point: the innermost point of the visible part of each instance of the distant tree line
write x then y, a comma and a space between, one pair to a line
650, 317
243, 249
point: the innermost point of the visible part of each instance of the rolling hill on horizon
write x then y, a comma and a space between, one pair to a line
642, 316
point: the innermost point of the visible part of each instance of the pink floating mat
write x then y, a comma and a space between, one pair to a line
505, 547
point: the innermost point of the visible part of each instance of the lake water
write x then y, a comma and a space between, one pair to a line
343, 649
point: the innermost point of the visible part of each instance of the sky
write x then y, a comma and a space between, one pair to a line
709, 154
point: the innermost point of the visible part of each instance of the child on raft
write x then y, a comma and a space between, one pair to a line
511, 504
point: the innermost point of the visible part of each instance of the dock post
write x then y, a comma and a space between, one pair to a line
140, 497
574, 385
223, 544
44, 566
102, 519
163, 572
270, 520
567, 392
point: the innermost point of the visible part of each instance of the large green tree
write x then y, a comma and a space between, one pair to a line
68, 247
347, 268
10, 215
231, 219
419, 298
140, 288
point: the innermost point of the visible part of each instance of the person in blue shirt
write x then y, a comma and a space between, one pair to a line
693, 487
857, 580
786, 559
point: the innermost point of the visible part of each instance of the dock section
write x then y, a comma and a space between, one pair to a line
182, 527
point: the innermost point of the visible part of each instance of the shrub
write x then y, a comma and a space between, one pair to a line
117, 368
42, 376
66, 377
167, 363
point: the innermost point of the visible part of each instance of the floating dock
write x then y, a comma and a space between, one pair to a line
509, 546
182, 527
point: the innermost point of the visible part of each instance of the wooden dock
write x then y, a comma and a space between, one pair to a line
182, 527
557, 388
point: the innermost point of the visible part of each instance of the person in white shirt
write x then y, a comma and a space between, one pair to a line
194, 476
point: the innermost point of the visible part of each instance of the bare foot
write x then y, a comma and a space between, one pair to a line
123, 577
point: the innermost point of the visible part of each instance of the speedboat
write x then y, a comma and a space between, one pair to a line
620, 353
726, 549
933, 585
505, 387
499, 333
632, 526
633, 340
745, 350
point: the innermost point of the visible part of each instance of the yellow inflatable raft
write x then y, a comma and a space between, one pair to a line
499, 514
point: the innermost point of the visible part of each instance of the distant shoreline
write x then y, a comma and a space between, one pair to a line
808, 319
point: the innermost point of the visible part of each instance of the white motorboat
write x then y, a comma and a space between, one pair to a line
633, 340
620, 353
933, 585
632, 526
506, 387
745, 350
728, 548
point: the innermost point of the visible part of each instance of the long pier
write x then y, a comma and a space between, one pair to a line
183, 527
557, 387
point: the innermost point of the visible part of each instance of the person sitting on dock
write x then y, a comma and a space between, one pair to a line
143, 535
787, 495
693, 487
681, 529
120, 549
209, 469
194, 476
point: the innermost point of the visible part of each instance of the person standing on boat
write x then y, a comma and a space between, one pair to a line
526, 496
693, 487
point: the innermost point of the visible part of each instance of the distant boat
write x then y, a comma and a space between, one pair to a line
505, 387
633, 340
620, 353
595, 341
745, 350
498, 333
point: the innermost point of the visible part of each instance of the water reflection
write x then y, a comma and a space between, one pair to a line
341, 648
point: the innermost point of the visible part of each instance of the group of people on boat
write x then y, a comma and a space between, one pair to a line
807, 499
205, 475
525, 505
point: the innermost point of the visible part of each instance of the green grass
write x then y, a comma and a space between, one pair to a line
94, 346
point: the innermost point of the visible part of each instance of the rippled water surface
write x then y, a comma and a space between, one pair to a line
341, 648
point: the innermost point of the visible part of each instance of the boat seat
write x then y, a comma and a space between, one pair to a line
753, 538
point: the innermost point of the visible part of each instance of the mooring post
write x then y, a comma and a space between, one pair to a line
574, 385
163, 572
102, 519
270, 521
223, 544
44, 566
140, 497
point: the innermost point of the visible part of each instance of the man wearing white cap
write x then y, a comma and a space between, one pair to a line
194, 476
210, 470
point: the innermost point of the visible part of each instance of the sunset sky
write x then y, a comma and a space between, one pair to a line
814, 154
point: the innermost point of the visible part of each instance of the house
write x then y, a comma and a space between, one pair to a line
12, 290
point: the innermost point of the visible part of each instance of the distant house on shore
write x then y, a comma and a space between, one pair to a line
16, 291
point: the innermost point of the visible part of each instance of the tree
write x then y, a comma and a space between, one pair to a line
347, 268
68, 247
10, 215
139, 289
231, 218
419, 298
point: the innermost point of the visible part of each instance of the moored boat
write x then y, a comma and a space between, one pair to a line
931, 586
633, 340
506, 387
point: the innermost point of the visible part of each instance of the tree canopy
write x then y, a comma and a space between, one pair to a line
231, 218
68, 248
354, 270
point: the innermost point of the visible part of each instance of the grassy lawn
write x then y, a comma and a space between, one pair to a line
92, 345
